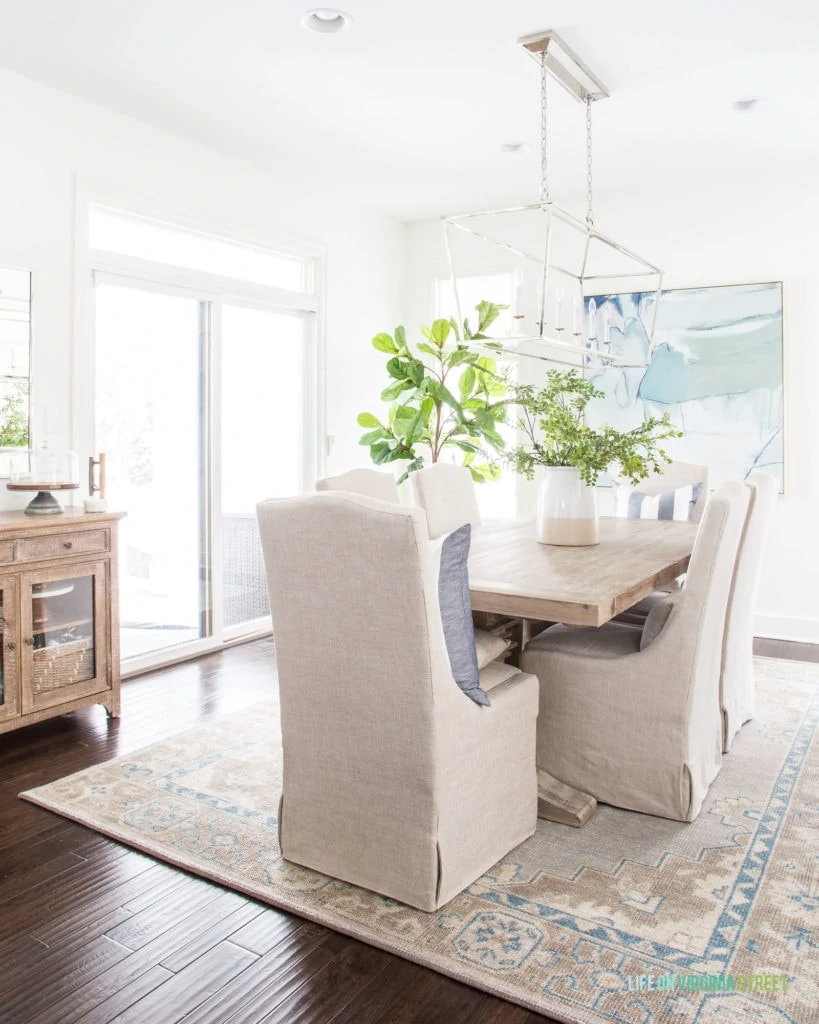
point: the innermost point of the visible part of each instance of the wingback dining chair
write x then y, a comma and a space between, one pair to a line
632, 716
362, 481
394, 779
446, 493
737, 689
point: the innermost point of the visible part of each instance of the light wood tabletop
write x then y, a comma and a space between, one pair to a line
510, 573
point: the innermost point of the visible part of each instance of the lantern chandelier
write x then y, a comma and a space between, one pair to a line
565, 268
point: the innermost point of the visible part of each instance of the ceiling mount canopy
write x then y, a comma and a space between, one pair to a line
565, 267
564, 65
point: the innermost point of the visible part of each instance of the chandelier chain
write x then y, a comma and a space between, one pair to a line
589, 197
545, 197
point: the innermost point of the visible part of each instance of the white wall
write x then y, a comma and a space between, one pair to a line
706, 233
53, 142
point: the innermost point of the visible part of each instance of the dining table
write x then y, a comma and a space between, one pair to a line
515, 579
511, 573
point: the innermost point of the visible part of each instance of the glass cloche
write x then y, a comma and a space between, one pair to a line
44, 470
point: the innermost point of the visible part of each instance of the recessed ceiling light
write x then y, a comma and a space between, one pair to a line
515, 147
325, 19
744, 105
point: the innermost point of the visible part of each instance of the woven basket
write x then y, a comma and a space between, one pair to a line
63, 665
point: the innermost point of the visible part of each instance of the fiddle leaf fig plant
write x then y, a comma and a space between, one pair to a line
443, 396
552, 419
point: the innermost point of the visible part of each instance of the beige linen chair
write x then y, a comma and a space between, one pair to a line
446, 492
672, 477
635, 721
737, 691
362, 481
393, 778
737, 674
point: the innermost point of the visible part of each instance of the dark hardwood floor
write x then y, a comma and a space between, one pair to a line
91, 931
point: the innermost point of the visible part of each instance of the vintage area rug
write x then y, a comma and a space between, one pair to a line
629, 919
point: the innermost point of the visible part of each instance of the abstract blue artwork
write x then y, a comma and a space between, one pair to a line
715, 367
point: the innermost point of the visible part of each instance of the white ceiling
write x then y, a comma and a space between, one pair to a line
407, 109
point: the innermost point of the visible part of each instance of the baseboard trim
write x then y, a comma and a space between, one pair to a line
778, 627
181, 657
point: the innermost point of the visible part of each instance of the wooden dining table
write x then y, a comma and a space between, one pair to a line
510, 573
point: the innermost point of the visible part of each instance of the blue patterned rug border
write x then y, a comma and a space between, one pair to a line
749, 878
719, 950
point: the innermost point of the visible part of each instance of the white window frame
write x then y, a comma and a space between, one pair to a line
91, 265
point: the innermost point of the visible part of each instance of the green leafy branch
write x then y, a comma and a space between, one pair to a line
552, 420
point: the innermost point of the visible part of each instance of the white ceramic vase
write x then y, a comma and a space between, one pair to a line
566, 509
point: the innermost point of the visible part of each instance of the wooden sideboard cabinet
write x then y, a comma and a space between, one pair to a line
59, 622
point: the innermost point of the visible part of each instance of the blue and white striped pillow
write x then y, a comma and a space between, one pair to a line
632, 503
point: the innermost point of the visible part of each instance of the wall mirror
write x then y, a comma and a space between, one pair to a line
15, 364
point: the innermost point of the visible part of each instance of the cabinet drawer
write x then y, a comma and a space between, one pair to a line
6, 551
62, 545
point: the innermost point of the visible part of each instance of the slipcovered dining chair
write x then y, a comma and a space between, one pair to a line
632, 716
737, 689
446, 493
394, 779
362, 481
678, 491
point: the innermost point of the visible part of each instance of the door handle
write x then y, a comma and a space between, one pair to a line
30, 641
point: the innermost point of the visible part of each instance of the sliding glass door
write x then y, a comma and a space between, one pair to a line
262, 385
151, 374
203, 409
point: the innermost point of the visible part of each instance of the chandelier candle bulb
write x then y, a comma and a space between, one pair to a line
592, 320
576, 327
559, 312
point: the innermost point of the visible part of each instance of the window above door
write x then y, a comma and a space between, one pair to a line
128, 235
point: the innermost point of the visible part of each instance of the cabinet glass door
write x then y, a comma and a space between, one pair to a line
62, 618
9, 678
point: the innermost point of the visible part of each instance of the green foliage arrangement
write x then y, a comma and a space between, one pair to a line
448, 397
552, 418
14, 417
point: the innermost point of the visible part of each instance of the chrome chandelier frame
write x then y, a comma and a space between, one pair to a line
582, 343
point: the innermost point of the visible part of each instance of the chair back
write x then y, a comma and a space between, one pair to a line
353, 597
368, 482
446, 492
673, 477
737, 683
699, 619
